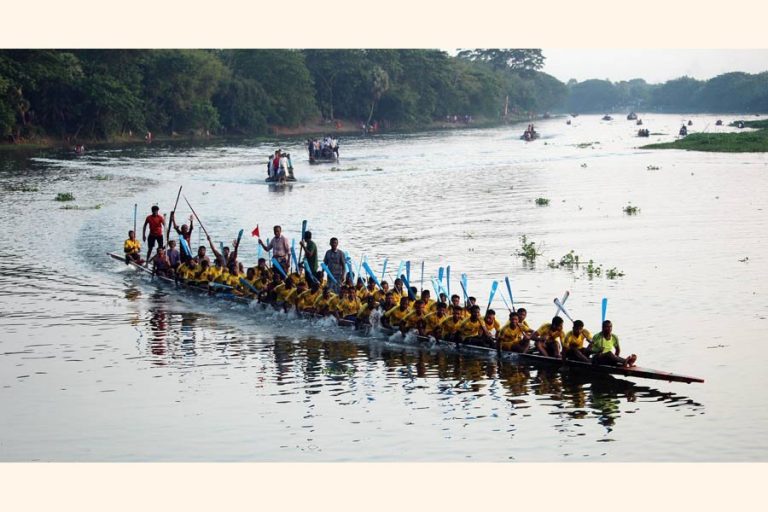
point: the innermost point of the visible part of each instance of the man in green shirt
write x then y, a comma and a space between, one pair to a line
604, 344
310, 251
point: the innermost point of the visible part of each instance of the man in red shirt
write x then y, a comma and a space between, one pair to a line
156, 224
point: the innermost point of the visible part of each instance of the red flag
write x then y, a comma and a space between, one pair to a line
255, 232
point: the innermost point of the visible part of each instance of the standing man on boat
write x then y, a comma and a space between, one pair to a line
310, 251
334, 260
280, 248
604, 344
156, 224
185, 231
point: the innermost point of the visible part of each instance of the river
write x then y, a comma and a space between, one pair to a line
98, 363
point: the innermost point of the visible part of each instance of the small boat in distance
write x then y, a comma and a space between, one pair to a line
323, 151
631, 116
639, 122
606, 117
719, 122
683, 131
643, 132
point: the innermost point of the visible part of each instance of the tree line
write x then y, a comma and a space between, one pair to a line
729, 92
101, 94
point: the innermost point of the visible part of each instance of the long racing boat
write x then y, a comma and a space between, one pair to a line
431, 343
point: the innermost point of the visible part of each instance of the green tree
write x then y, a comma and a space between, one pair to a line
518, 59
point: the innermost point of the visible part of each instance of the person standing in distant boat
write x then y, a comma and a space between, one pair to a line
185, 231
606, 350
156, 224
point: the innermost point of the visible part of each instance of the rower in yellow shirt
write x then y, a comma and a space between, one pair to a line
435, 319
348, 307
473, 331
573, 345
132, 249
394, 316
450, 326
549, 338
523, 314
381, 294
416, 319
306, 301
326, 302
512, 337
491, 324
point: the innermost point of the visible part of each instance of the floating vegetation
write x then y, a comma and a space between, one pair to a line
542, 201
744, 260
594, 269
528, 249
631, 210
65, 196
583, 166
20, 188
343, 169
587, 144
102, 177
77, 207
653, 168
572, 261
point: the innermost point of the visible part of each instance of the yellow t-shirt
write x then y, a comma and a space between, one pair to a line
434, 321
494, 326
576, 341
509, 336
307, 299
364, 312
545, 331
412, 319
329, 303
396, 315
132, 246
449, 327
346, 307
469, 328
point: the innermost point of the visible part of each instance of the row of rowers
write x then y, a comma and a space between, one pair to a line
395, 307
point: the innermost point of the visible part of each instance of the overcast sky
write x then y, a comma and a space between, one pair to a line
654, 66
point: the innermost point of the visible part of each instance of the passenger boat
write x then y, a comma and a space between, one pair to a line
431, 343
606, 117
683, 131
631, 116
719, 122
324, 157
529, 136
275, 180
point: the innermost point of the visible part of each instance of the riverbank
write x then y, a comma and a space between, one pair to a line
314, 129
749, 142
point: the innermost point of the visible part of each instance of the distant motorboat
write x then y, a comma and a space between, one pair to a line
719, 122
690, 123
683, 131
639, 122
631, 116
643, 132
606, 117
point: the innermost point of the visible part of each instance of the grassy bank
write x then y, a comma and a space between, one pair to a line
749, 142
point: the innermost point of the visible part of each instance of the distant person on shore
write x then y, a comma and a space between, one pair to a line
156, 224
148, 137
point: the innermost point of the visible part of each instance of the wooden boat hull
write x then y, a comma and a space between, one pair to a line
472, 350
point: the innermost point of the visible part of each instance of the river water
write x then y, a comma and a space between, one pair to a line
99, 364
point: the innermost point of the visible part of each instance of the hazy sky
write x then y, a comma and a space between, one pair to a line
654, 65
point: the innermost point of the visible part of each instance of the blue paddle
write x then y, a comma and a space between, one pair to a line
362, 259
248, 285
408, 287
328, 273
408, 269
448, 281
494, 286
185, 246
505, 302
464, 287
293, 257
605, 307
303, 230
509, 290
308, 271
436, 286
348, 262
384, 268
564, 299
259, 256
367, 268
279, 268
399, 269
440, 272
422, 277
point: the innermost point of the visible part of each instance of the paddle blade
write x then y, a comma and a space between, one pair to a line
561, 308
239, 237
303, 228
605, 308
509, 291
185, 246
248, 285
308, 272
436, 287
408, 269
367, 268
407, 286
293, 257
440, 272
494, 287
328, 273
564, 299
399, 269
279, 268
384, 268
448, 280
260, 249
464, 286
